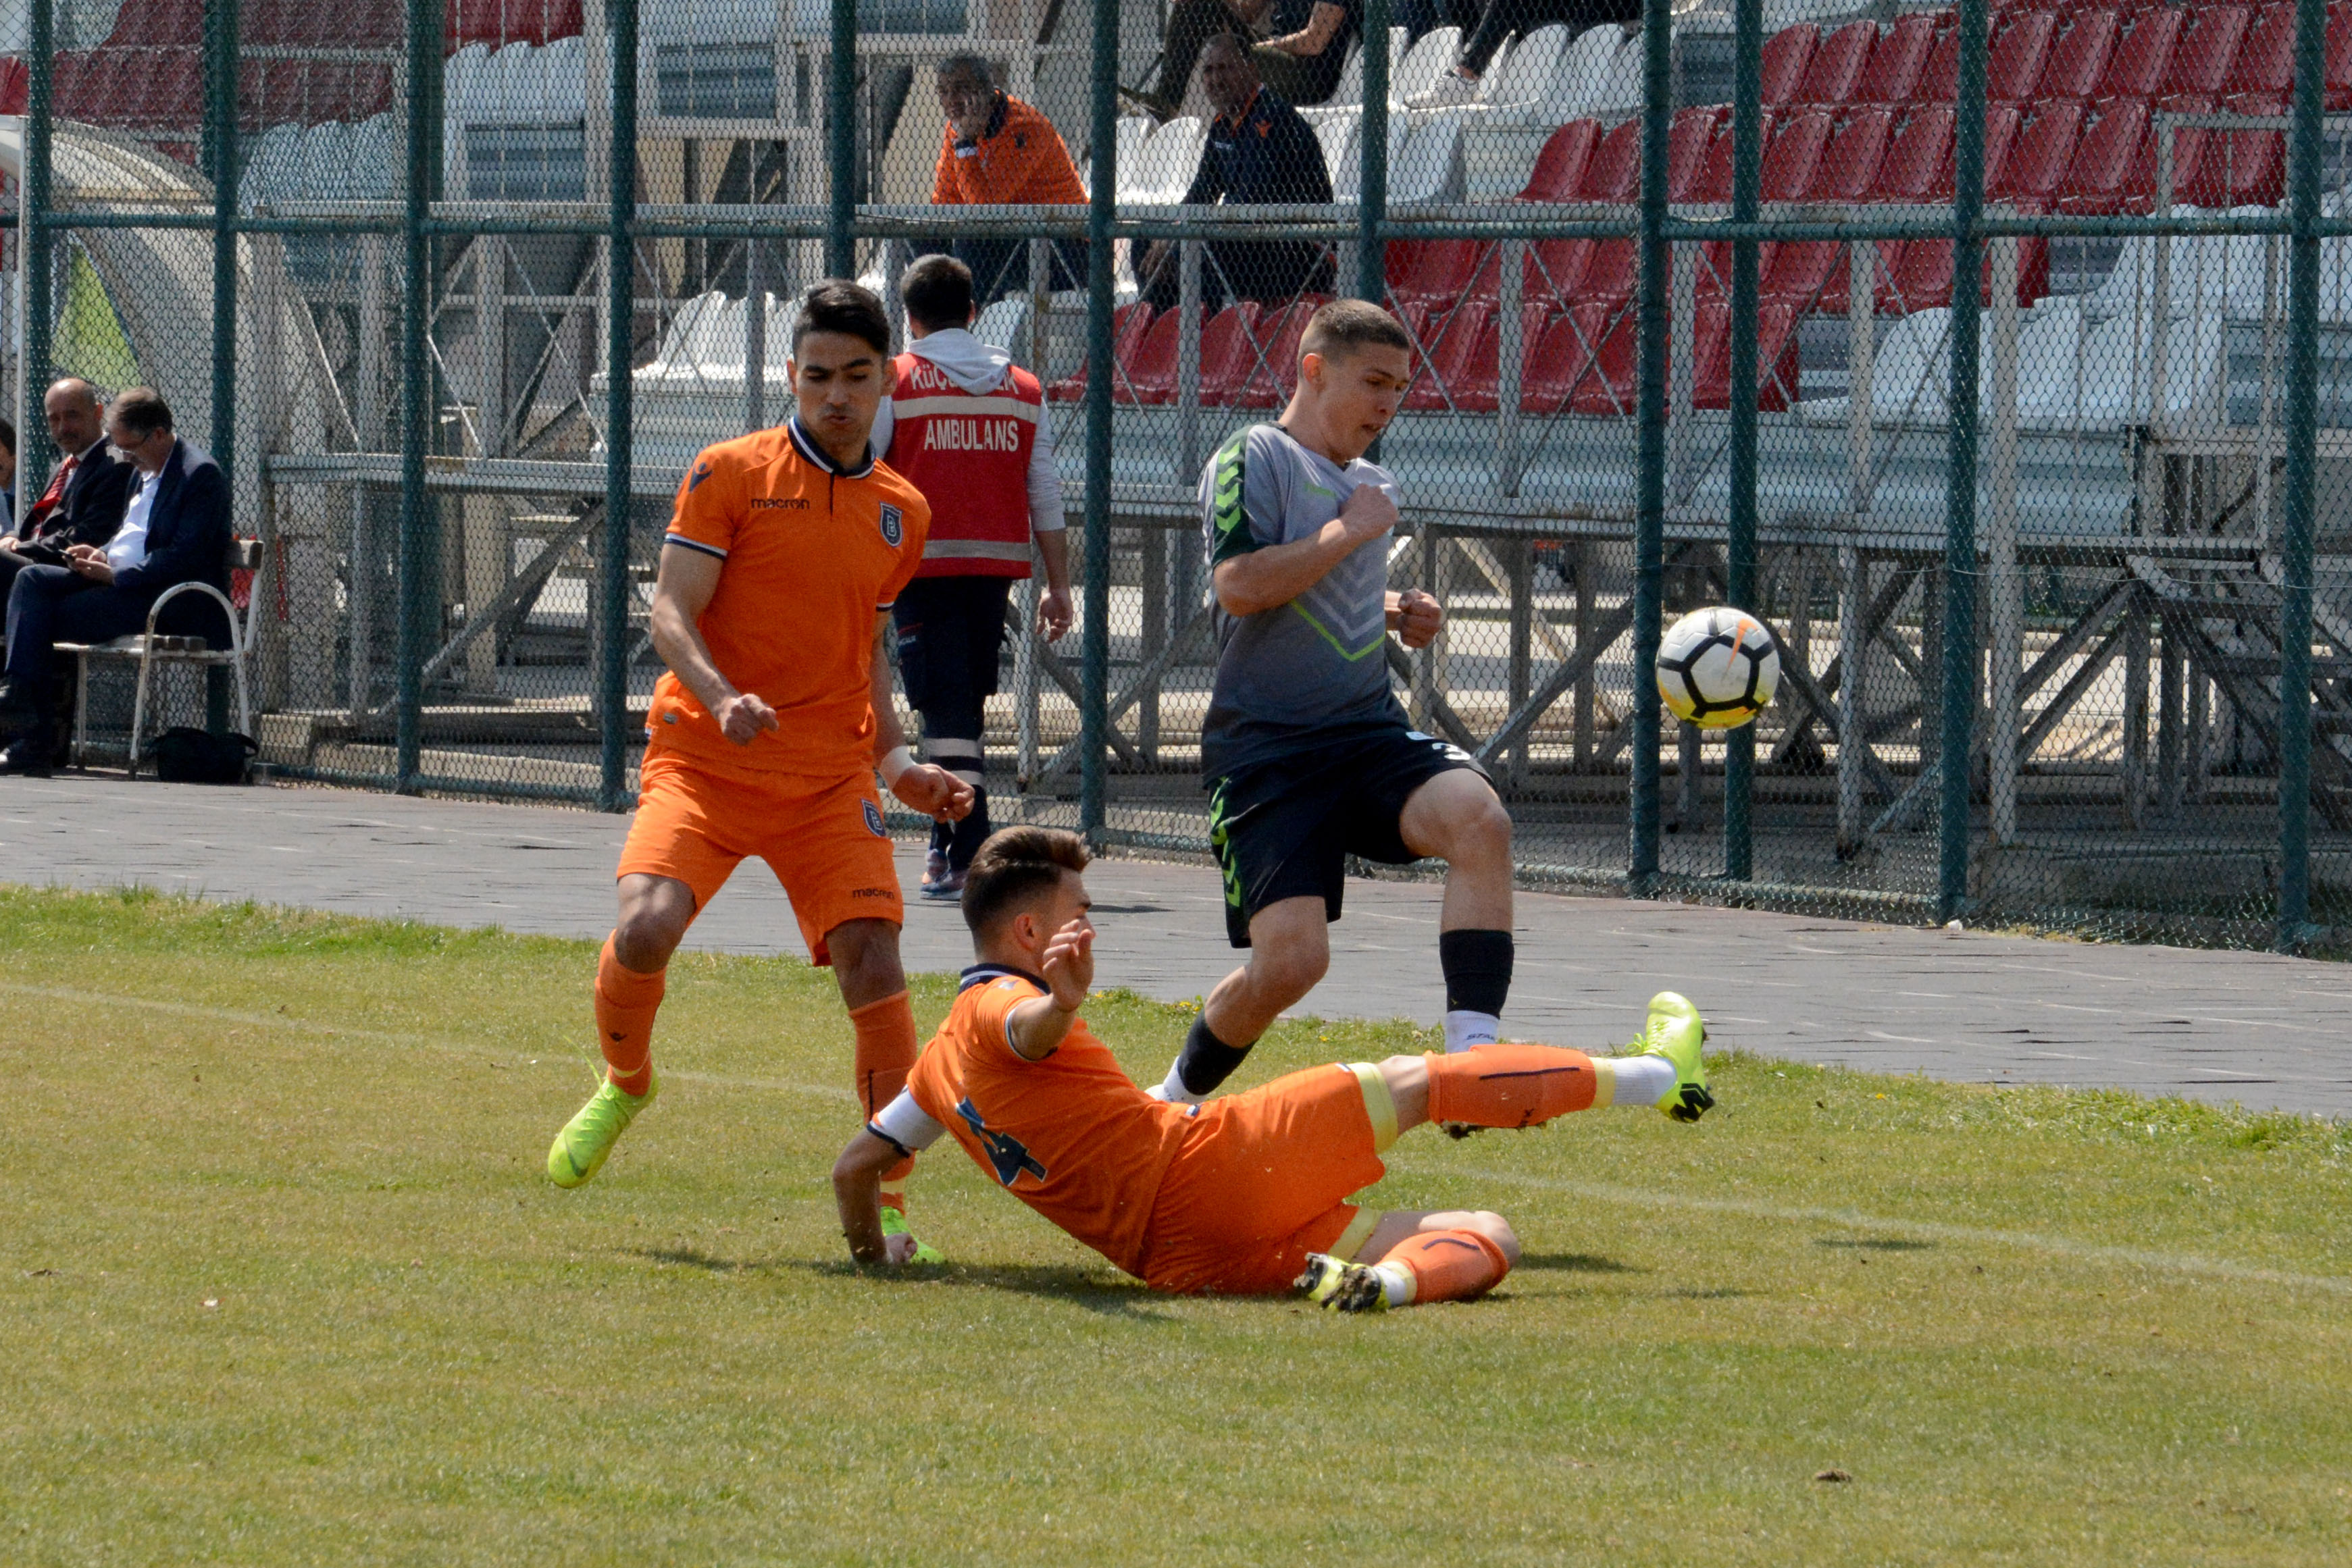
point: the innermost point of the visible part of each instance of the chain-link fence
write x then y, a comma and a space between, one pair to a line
2041, 549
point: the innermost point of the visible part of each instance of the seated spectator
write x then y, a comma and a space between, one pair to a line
8, 471
1504, 19
1302, 46
1258, 150
85, 496
998, 150
174, 529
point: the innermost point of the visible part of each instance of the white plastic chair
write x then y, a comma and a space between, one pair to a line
1000, 326
1431, 58
1582, 67
1350, 88
149, 648
1337, 135
1525, 77
1424, 163
1164, 169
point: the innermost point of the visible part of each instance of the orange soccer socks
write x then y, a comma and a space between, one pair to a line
887, 1046
1508, 1085
625, 1004
1441, 1266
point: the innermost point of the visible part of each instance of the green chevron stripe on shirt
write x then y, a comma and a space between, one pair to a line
1229, 516
1352, 655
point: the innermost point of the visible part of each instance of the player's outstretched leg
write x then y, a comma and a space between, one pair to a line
1447, 1257
654, 913
1515, 1085
1674, 1034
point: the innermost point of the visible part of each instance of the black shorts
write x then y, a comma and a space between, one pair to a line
1284, 828
951, 634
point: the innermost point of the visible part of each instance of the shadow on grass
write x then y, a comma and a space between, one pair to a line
1110, 1295
1873, 1243
1576, 1263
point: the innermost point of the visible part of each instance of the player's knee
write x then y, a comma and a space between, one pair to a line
648, 932
1483, 831
1283, 975
1497, 1229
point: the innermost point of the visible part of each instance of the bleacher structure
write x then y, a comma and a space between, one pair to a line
2133, 404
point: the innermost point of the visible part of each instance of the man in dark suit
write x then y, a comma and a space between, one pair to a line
84, 502
174, 529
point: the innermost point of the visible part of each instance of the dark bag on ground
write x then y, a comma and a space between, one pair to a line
186, 754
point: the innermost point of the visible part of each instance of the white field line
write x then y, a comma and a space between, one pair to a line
1929, 1229
345, 1031
2175, 1262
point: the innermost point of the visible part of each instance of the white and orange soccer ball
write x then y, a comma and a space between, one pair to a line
1718, 668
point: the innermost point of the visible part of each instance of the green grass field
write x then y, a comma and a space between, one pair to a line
284, 1283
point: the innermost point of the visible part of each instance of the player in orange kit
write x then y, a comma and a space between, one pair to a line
1243, 1195
785, 552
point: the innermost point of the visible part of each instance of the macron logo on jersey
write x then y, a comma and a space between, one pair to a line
944, 433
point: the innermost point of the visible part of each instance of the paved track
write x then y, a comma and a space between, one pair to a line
2266, 1031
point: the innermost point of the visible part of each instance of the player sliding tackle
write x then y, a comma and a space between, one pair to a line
1244, 1195
786, 551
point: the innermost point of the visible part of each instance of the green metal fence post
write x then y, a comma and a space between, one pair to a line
1093, 687
35, 453
1650, 397
419, 586
1372, 150
2302, 460
620, 384
841, 139
1739, 544
220, 119
1960, 683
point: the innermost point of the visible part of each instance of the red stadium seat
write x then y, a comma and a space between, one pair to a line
1476, 385
1793, 140
15, 86
2002, 122
1555, 361
1557, 270
2243, 168
2208, 48
1128, 325
1940, 82
1612, 275
2338, 72
1898, 59
1440, 270
496, 22
1714, 268
1848, 168
2020, 46
2191, 145
1920, 276
1614, 172
1560, 167
180, 89
1786, 54
1610, 364
1450, 345
1810, 274
1919, 156
1689, 143
1228, 354
153, 22
2265, 62
1776, 356
1837, 64
2078, 56
2095, 178
1273, 376
2038, 157
2142, 55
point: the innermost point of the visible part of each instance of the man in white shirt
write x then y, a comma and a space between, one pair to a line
176, 529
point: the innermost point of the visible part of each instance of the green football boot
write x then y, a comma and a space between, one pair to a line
1341, 1287
1676, 1032
895, 1224
580, 1149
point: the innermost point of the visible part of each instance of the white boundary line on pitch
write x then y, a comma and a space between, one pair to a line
2090, 1252
2175, 1262
389, 1037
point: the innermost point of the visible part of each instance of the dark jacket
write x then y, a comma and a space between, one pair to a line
187, 528
1270, 154
91, 510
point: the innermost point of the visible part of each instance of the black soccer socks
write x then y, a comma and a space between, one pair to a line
1205, 1063
1477, 967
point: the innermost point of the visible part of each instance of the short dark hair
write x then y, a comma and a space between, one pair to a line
938, 293
8, 436
1014, 867
1347, 325
141, 411
837, 304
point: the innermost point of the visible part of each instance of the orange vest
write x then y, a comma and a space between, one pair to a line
969, 454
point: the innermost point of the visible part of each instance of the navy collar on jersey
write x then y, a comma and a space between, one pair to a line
980, 974
816, 455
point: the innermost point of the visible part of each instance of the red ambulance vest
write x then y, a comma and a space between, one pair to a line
969, 454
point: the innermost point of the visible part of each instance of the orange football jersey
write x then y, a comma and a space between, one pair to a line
1071, 1135
811, 552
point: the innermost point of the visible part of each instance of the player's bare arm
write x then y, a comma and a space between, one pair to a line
922, 786
1272, 577
683, 586
857, 1194
1055, 612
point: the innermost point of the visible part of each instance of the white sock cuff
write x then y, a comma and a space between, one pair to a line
1642, 1080
1398, 1281
1465, 1029
1173, 1090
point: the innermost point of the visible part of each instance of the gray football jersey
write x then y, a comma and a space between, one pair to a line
1318, 662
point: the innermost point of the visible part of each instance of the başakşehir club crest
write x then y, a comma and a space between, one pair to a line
894, 528
874, 820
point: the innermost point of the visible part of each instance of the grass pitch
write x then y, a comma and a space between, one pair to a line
283, 1281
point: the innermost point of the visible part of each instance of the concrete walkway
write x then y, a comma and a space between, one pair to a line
2266, 1031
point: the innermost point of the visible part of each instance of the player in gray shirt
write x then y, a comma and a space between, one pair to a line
1306, 752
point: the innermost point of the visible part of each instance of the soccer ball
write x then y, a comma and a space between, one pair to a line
1718, 668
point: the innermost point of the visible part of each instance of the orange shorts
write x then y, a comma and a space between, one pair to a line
1257, 1185
824, 840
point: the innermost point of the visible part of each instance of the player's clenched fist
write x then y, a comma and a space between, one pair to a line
1366, 513
1070, 963
1416, 618
742, 717
935, 792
